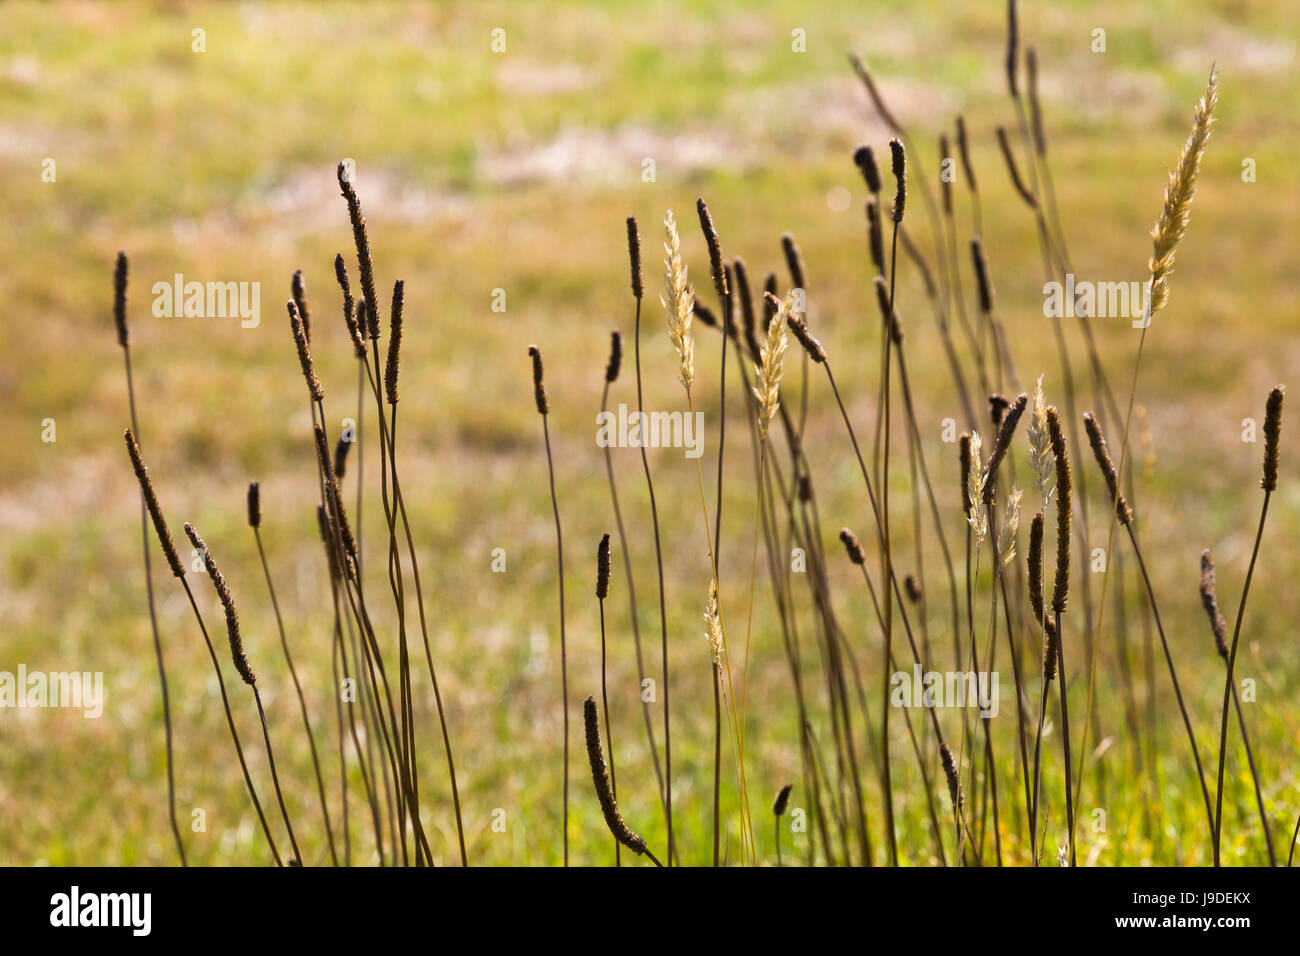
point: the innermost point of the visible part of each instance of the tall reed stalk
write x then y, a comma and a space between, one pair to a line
178, 571
120, 272
1272, 433
255, 522
543, 409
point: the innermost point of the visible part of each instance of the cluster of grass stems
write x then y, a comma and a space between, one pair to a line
838, 742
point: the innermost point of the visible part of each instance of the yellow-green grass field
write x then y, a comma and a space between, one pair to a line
482, 171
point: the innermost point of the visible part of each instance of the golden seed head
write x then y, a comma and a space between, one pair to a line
771, 359
1010, 528
713, 625
1171, 226
1040, 447
678, 301
976, 514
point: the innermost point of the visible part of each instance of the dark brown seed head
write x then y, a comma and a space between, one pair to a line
1064, 501
861, 69
602, 567
729, 304
1099, 452
805, 487
964, 448
341, 448
615, 356
705, 314
998, 405
151, 504
1036, 596
1035, 560
852, 546
227, 604
810, 344
119, 301
963, 150
299, 292
747, 315
304, 352
362, 243
1004, 144
770, 300
634, 255
1210, 602
356, 322
341, 276
334, 502
394, 343
794, 261
539, 387
950, 771
1051, 648
1272, 432
362, 323
881, 285
1013, 44
1035, 113
945, 181
865, 159
782, 800
982, 282
715, 250
1000, 445
254, 504
898, 161
913, 588
875, 237
327, 538
600, 777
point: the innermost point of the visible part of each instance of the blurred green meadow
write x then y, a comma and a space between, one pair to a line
482, 171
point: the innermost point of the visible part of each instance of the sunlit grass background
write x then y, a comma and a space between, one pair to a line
481, 171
